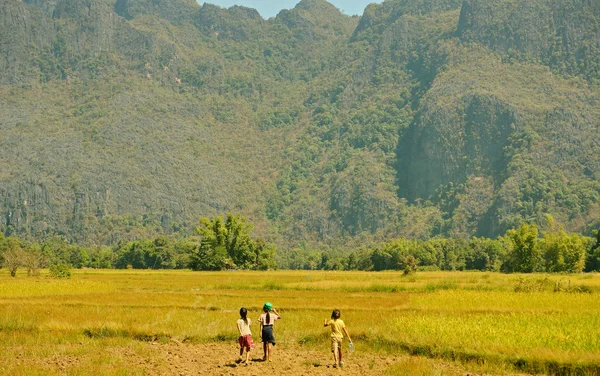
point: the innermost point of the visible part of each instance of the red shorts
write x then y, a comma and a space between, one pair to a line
246, 341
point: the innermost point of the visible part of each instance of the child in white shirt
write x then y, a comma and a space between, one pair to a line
245, 340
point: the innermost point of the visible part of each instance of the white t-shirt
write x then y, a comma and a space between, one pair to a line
244, 328
272, 318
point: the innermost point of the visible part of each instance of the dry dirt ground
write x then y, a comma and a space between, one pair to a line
176, 358
220, 359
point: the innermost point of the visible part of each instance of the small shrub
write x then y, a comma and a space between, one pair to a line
101, 332
566, 286
60, 271
443, 285
532, 284
410, 265
311, 339
581, 289
224, 337
383, 288
313, 363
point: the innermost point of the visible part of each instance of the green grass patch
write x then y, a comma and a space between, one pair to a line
96, 333
442, 285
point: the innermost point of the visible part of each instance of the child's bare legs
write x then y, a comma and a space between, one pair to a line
247, 355
336, 349
269, 351
265, 350
335, 357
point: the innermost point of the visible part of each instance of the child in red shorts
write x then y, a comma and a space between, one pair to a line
245, 340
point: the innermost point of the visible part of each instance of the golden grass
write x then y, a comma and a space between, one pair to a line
466, 316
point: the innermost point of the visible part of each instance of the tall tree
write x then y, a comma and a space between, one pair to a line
524, 253
593, 260
228, 244
563, 252
13, 256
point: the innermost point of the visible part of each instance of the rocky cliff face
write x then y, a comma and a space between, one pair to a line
24, 31
449, 143
124, 116
236, 23
378, 16
87, 26
175, 11
46, 5
563, 35
315, 20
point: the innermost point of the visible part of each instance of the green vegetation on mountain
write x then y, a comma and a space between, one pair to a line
123, 120
561, 34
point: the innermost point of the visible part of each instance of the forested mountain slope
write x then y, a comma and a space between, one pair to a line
124, 118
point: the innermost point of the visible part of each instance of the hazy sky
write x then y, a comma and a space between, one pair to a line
270, 8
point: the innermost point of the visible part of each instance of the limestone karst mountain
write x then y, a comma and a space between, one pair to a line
120, 118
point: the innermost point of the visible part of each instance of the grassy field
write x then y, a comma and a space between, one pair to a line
473, 319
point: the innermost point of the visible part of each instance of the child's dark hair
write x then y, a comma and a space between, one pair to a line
268, 316
243, 314
336, 314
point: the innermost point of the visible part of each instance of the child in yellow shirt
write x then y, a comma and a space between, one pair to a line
338, 329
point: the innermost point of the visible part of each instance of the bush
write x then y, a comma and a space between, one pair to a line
566, 286
60, 271
410, 265
532, 284
443, 285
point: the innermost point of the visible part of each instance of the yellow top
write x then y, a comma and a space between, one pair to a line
336, 328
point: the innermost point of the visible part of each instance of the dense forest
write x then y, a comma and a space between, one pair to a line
437, 122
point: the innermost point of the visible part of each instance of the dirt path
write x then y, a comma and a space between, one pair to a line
176, 358
219, 359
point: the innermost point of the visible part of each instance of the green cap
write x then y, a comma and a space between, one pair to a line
268, 306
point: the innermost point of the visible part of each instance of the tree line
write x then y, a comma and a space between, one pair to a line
226, 243
220, 244
525, 249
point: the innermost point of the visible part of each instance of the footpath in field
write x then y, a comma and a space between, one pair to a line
219, 359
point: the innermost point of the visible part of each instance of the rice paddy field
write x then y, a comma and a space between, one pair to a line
182, 322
